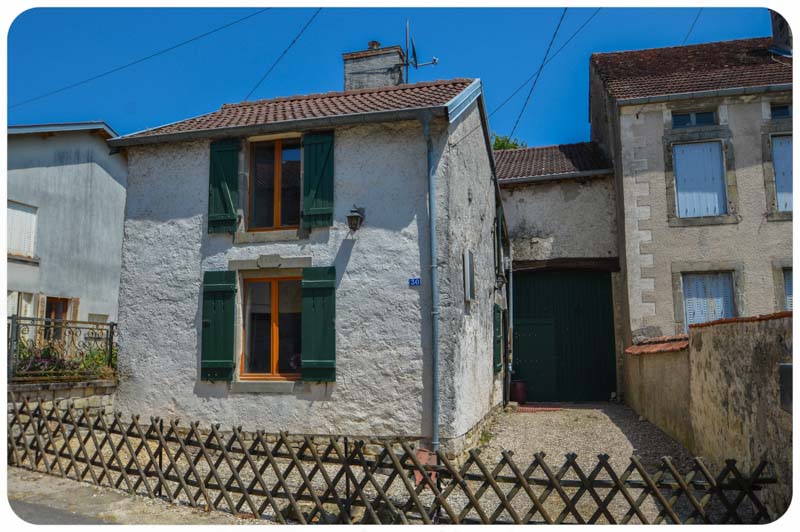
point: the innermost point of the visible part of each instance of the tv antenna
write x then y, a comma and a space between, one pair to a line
411, 58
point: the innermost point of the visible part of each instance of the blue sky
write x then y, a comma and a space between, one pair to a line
50, 48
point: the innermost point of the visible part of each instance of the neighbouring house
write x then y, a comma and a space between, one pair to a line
560, 207
677, 212
277, 261
66, 204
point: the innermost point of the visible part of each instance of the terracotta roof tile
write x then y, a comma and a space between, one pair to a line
329, 104
701, 67
659, 344
550, 160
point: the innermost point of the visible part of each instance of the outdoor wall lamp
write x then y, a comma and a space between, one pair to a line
355, 218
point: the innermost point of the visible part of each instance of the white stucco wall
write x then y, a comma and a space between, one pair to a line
383, 359
568, 218
652, 246
78, 189
470, 384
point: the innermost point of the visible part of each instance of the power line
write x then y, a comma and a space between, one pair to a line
538, 72
278, 60
525, 83
137, 61
692, 26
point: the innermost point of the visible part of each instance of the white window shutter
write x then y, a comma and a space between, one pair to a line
21, 229
708, 297
699, 179
782, 164
787, 287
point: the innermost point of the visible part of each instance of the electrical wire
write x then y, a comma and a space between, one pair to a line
137, 61
525, 83
278, 60
692, 26
538, 72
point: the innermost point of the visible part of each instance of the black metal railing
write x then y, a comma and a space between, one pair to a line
42, 349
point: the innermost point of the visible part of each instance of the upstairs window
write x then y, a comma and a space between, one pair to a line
275, 194
699, 118
699, 179
708, 297
782, 165
21, 229
781, 110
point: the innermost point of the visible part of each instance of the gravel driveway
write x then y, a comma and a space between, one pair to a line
587, 430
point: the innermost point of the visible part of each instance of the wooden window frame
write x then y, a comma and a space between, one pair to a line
277, 176
274, 331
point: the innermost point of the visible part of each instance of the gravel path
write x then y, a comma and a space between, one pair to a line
587, 430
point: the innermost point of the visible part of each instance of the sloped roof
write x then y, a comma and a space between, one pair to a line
562, 159
330, 104
59, 127
700, 67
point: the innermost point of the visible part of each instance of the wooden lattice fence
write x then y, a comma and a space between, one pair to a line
326, 479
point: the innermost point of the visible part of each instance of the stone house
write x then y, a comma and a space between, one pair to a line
276, 269
66, 200
689, 207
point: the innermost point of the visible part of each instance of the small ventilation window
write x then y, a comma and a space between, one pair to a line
781, 111
700, 118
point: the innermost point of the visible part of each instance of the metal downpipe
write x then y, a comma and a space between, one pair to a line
426, 131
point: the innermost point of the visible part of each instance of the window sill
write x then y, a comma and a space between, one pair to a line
779, 216
34, 261
273, 387
705, 220
278, 235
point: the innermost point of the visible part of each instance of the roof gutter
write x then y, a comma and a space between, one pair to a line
735, 91
305, 124
555, 177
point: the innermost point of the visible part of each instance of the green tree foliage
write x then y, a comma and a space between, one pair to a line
505, 142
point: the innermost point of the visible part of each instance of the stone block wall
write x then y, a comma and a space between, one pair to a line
97, 396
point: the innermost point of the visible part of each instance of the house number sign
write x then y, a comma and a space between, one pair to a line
415, 281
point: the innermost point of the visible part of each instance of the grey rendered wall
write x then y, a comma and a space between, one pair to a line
469, 387
735, 398
79, 190
653, 248
565, 218
382, 329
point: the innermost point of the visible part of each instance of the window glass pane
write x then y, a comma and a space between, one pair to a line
262, 193
699, 179
55, 312
708, 296
787, 287
781, 111
704, 119
21, 229
290, 183
258, 327
782, 164
290, 303
681, 120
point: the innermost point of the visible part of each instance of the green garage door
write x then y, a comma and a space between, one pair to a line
564, 335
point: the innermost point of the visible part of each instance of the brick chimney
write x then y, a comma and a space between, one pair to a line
374, 67
781, 34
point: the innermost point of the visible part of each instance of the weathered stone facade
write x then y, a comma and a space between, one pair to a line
724, 396
383, 348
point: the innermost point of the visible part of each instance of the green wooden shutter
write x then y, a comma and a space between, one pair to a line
318, 179
498, 338
223, 186
318, 360
216, 357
